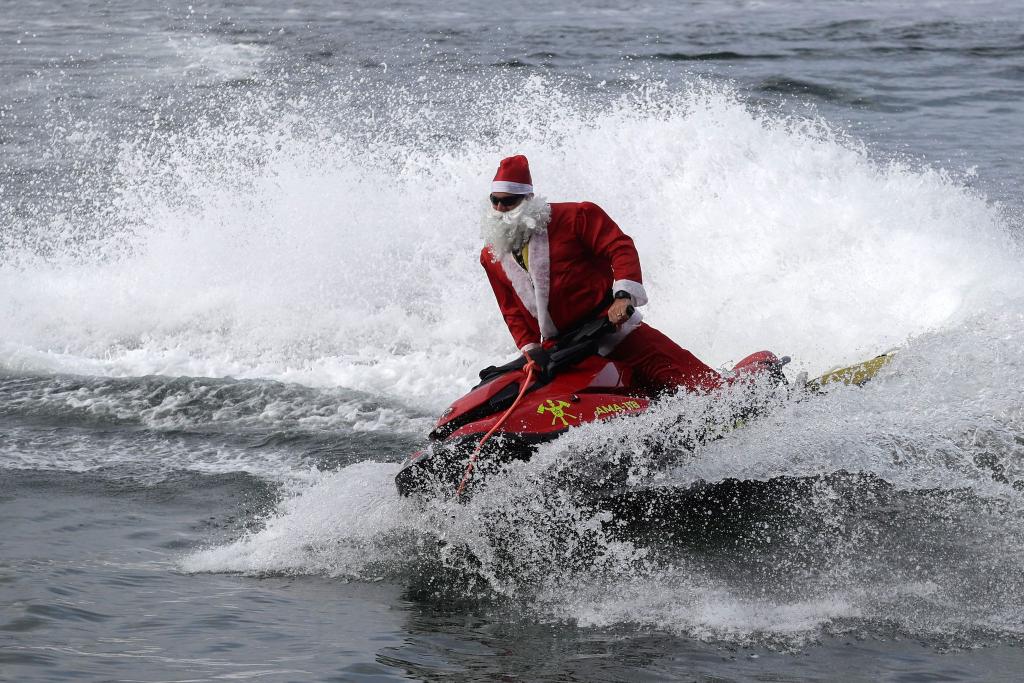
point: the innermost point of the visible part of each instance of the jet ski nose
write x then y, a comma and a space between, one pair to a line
417, 456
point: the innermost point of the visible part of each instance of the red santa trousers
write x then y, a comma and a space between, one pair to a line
659, 364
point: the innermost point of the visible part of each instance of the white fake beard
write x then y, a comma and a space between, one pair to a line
508, 231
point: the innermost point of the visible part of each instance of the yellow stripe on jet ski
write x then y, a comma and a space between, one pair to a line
855, 374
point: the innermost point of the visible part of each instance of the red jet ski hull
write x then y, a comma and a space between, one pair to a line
593, 389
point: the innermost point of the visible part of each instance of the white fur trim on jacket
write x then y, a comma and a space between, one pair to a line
510, 187
520, 280
534, 288
540, 270
633, 288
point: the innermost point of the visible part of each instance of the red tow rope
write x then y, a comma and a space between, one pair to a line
530, 367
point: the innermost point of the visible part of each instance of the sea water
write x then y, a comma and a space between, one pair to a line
239, 280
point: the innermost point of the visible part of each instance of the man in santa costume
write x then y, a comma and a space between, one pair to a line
555, 266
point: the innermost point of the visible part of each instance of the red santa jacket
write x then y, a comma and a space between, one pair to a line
575, 263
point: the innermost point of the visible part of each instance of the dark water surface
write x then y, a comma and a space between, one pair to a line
238, 280
92, 593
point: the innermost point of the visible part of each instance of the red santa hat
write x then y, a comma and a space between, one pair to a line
513, 176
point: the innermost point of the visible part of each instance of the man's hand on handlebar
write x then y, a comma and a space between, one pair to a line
541, 357
620, 311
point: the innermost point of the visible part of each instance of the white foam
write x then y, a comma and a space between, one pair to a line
691, 605
145, 458
527, 539
204, 59
337, 526
945, 414
257, 251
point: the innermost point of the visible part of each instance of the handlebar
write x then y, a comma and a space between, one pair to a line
569, 349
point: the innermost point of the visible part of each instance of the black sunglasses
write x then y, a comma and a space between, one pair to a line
510, 200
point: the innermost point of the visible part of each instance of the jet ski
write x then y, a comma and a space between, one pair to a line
515, 408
